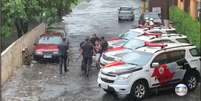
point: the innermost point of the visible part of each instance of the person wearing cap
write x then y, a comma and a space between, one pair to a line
151, 22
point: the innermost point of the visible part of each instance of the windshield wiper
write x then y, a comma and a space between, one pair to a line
132, 64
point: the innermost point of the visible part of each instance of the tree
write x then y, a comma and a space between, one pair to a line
20, 13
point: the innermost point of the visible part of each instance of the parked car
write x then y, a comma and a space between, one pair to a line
113, 54
46, 48
126, 13
152, 66
133, 33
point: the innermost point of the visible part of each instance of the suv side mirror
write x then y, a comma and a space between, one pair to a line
155, 64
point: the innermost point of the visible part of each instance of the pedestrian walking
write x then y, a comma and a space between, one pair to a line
87, 51
63, 48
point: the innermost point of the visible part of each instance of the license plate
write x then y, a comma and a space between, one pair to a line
104, 86
47, 56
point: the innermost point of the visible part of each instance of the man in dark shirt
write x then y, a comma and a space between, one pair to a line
63, 55
87, 53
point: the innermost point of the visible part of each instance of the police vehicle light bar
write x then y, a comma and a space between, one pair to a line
149, 44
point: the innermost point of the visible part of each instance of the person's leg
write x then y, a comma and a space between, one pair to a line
65, 65
84, 63
61, 64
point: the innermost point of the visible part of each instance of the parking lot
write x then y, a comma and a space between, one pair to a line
42, 82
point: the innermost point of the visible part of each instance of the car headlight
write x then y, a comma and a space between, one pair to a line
124, 76
38, 52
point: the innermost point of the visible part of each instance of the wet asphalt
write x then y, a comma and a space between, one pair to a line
42, 82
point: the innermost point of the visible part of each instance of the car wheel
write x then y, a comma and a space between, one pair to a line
191, 81
109, 92
139, 90
119, 20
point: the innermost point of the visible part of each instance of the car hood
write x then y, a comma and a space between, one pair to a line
117, 50
119, 67
46, 47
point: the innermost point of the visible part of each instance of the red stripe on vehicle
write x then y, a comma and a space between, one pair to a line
114, 39
115, 49
116, 63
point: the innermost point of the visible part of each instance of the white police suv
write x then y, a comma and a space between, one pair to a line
152, 66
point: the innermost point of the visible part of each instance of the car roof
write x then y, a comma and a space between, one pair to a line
166, 46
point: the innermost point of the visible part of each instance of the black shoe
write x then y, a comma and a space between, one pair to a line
66, 70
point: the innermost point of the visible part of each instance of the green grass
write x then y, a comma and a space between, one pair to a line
186, 25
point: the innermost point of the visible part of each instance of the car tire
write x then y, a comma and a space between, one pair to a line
139, 90
132, 19
119, 20
109, 92
191, 81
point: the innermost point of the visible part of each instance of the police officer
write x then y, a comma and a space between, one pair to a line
63, 55
87, 52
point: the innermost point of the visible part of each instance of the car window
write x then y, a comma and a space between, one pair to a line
171, 32
132, 44
125, 8
174, 56
50, 40
195, 52
183, 40
161, 58
163, 41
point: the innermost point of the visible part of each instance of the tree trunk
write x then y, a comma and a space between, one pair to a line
21, 26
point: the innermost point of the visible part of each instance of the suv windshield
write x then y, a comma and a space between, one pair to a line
50, 40
137, 57
133, 44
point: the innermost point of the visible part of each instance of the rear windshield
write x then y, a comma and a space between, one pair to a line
50, 40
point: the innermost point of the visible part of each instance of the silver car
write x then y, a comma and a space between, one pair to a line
126, 13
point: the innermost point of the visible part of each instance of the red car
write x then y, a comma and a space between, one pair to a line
47, 47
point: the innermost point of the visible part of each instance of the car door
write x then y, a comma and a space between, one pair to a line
194, 59
155, 71
169, 69
177, 64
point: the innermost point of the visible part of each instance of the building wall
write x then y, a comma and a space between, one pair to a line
11, 58
190, 6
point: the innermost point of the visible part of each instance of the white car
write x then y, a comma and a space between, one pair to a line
133, 33
152, 66
126, 47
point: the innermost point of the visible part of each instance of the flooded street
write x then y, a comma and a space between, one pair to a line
42, 82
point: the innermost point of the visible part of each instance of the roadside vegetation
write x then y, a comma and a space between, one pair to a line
186, 25
19, 14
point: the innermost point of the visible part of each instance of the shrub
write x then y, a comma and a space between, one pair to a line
186, 25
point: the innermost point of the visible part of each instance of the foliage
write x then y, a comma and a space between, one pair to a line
186, 25
20, 13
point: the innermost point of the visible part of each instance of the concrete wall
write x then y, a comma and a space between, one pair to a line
11, 58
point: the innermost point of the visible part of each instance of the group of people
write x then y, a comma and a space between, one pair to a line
92, 46
146, 22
